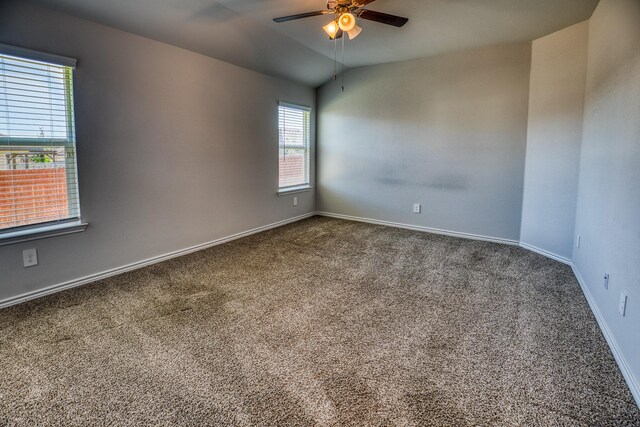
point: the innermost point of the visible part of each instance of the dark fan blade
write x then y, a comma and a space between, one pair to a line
339, 35
360, 3
383, 18
300, 16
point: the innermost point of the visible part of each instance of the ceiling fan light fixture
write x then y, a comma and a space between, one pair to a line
332, 29
354, 32
347, 21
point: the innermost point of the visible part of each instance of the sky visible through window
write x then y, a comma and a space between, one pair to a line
292, 125
33, 101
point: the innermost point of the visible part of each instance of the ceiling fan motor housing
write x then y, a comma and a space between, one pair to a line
332, 4
355, 8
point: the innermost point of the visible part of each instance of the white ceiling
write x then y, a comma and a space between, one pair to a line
242, 32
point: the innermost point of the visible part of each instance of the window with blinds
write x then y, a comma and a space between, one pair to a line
295, 129
38, 175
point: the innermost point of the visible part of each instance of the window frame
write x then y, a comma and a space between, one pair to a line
298, 188
57, 227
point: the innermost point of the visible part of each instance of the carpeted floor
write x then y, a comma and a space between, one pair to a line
322, 322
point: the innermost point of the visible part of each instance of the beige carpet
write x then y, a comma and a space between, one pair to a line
322, 322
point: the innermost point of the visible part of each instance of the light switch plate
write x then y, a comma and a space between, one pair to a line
622, 308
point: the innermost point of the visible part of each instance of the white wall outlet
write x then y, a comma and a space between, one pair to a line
29, 257
295, 201
578, 241
417, 208
622, 306
606, 281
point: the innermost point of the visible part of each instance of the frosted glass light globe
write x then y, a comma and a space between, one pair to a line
332, 29
347, 21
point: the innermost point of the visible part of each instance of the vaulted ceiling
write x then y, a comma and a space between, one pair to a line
242, 32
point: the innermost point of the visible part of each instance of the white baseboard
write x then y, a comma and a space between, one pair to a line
545, 253
450, 233
421, 228
136, 265
632, 381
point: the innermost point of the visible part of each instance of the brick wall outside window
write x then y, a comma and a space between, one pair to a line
292, 170
31, 196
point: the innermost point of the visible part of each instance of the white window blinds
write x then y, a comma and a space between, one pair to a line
295, 129
38, 174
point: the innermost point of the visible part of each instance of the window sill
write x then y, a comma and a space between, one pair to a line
291, 190
42, 233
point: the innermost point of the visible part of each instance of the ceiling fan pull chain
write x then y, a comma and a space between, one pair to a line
342, 64
335, 59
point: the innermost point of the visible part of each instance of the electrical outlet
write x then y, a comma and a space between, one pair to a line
622, 306
606, 281
295, 201
417, 208
578, 241
29, 257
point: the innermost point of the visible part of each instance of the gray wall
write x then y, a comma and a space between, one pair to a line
556, 102
174, 148
448, 132
608, 210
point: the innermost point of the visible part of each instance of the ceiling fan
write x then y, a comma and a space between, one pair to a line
345, 13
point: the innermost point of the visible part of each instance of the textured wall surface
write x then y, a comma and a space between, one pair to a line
448, 132
608, 210
174, 148
556, 102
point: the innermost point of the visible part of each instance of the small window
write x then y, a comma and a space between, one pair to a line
38, 174
294, 126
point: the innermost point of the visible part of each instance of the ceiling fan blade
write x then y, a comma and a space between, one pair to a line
339, 35
301, 15
360, 3
383, 18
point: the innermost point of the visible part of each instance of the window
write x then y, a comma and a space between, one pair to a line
295, 129
38, 177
